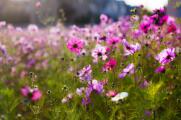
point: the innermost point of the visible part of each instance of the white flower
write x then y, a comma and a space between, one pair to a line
99, 52
119, 96
148, 4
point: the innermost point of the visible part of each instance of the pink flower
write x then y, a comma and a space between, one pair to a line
99, 52
67, 98
160, 69
166, 56
128, 70
75, 45
111, 93
38, 4
33, 94
130, 49
159, 17
111, 64
33, 28
113, 41
103, 18
2, 24
145, 26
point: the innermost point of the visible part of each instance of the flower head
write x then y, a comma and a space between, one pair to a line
130, 49
128, 70
119, 96
99, 52
111, 93
97, 86
85, 73
159, 17
113, 41
166, 56
75, 45
79, 91
111, 64
103, 18
67, 98
171, 28
160, 69
33, 94
145, 26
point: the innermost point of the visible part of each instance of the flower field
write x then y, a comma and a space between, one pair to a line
115, 70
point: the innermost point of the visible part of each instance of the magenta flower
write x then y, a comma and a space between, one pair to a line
85, 73
159, 17
166, 56
145, 26
160, 69
111, 64
99, 52
33, 94
75, 45
130, 49
127, 71
113, 41
171, 28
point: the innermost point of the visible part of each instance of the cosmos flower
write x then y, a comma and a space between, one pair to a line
30, 63
160, 69
75, 45
130, 49
3, 49
33, 28
33, 94
99, 52
119, 96
67, 98
86, 100
159, 17
97, 86
145, 26
128, 70
85, 73
111, 64
2, 24
103, 18
171, 28
79, 91
166, 56
111, 93
113, 41
93, 85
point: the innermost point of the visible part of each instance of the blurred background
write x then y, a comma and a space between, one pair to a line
44, 12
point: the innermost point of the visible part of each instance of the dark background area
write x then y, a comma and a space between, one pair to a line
68, 11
